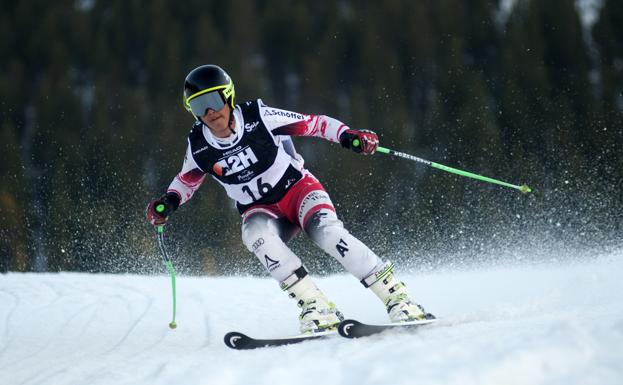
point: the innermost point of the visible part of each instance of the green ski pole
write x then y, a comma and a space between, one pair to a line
168, 263
523, 188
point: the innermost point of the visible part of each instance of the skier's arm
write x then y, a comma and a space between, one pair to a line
179, 192
283, 122
188, 180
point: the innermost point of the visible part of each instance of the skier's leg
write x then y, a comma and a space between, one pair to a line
262, 235
328, 232
324, 228
265, 235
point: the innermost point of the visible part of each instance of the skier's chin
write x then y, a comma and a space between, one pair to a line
214, 123
218, 126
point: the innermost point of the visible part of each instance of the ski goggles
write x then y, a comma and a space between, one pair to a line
199, 103
214, 98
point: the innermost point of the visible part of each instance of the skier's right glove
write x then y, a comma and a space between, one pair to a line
158, 210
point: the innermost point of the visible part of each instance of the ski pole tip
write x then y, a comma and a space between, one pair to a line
173, 325
525, 189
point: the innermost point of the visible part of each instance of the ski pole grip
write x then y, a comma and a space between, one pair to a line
160, 208
355, 142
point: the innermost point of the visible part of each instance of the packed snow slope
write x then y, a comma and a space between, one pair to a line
560, 323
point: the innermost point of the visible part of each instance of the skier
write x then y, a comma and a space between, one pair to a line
248, 150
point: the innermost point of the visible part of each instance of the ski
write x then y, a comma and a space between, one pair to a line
355, 329
347, 328
240, 341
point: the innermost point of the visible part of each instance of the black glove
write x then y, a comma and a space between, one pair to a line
363, 141
158, 210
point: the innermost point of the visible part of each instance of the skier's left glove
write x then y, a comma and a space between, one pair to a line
158, 210
362, 141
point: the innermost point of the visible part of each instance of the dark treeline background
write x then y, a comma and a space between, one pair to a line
92, 126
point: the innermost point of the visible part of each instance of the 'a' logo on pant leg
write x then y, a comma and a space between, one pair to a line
270, 263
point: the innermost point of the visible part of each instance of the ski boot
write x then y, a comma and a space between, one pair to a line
318, 314
395, 296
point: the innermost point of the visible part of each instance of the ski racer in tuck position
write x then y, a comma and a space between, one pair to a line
247, 148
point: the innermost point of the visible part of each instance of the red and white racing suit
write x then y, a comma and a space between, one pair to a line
276, 196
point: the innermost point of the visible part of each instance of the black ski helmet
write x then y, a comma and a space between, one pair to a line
203, 80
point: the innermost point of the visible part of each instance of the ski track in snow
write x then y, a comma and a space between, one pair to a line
548, 324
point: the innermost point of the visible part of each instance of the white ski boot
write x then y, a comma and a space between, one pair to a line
395, 296
318, 314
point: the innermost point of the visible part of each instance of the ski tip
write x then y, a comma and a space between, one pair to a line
345, 326
234, 340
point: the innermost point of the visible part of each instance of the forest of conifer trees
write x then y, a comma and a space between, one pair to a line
92, 125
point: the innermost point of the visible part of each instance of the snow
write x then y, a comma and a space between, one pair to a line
557, 323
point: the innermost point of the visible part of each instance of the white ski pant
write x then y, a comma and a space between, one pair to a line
266, 235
